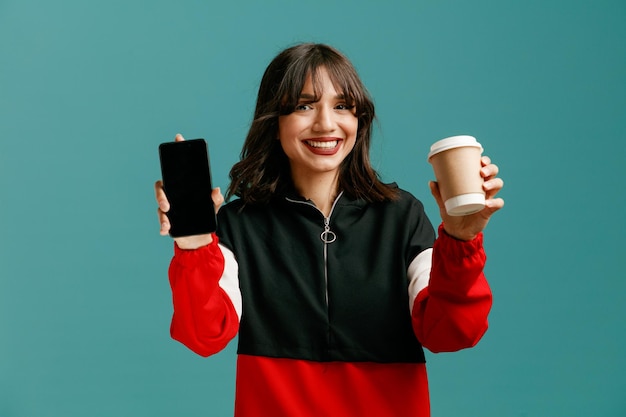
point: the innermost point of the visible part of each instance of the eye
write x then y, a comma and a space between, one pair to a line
303, 107
343, 106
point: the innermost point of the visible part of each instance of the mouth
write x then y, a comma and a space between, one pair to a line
322, 144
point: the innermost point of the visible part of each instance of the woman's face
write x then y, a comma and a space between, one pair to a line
318, 135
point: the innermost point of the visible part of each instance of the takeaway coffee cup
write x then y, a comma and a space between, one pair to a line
456, 162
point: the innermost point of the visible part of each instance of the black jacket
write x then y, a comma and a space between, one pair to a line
307, 299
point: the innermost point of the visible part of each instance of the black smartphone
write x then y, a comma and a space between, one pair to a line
186, 178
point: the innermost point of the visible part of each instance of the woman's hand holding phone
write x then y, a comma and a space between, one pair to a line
186, 242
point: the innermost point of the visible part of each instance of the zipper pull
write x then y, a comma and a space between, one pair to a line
328, 236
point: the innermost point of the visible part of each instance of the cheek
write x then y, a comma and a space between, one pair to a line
288, 127
352, 129
351, 145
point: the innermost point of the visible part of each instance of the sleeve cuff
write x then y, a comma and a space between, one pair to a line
179, 252
458, 248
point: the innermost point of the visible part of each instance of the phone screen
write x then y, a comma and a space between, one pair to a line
187, 184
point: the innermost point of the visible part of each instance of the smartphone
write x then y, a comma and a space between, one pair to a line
186, 178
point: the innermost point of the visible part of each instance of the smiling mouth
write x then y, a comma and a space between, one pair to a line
326, 144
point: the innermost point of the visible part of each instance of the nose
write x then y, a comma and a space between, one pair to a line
324, 121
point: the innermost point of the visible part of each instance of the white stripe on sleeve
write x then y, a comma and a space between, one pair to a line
229, 281
419, 274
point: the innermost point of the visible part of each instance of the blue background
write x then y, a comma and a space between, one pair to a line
88, 89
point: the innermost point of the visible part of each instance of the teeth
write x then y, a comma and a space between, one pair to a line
324, 145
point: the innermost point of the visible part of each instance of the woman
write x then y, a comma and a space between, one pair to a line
333, 280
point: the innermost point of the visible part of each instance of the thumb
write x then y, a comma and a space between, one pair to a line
218, 198
434, 190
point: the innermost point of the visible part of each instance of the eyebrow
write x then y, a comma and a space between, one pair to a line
312, 97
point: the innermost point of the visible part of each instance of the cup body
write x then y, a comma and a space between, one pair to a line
456, 162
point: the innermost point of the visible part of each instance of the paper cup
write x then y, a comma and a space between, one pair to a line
456, 162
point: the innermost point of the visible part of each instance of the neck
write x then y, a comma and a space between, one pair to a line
321, 189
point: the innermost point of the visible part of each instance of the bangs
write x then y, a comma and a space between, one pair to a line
341, 73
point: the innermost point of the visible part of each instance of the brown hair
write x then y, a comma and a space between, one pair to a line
264, 168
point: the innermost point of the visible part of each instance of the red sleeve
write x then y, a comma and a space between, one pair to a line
204, 319
451, 312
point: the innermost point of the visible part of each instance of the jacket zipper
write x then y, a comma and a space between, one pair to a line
327, 236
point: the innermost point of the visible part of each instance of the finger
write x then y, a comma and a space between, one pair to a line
164, 207
434, 190
218, 198
485, 160
492, 187
164, 222
494, 204
161, 198
489, 171
179, 137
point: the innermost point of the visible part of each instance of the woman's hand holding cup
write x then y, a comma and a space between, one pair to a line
465, 189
